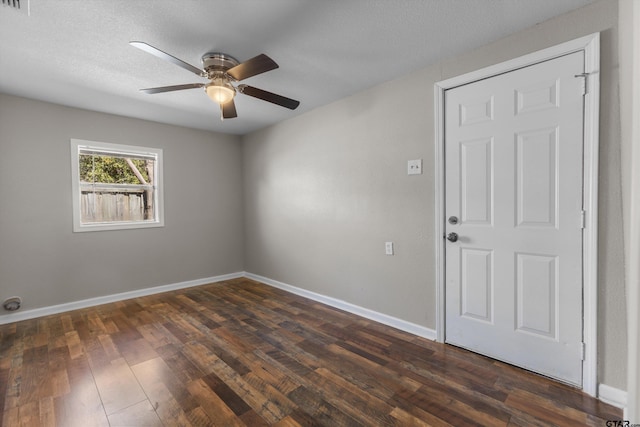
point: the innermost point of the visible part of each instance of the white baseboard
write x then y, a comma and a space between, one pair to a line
75, 305
613, 396
385, 319
403, 325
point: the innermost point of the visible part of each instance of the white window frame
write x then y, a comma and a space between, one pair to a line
78, 226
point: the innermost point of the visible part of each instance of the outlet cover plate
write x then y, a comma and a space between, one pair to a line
414, 167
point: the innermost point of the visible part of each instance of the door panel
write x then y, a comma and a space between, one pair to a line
476, 181
477, 284
513, 175
536, 294
536, 178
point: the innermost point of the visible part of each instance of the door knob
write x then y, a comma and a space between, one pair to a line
452, 237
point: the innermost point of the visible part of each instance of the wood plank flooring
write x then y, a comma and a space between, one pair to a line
240, 353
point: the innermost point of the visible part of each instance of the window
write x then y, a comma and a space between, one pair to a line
115, 186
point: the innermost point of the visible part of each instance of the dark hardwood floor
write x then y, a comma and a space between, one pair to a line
241, 353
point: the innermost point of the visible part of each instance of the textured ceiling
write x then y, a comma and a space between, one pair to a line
76, 52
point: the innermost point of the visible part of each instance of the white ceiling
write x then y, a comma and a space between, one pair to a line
76, 52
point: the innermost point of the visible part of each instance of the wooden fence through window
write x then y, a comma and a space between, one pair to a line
114, 202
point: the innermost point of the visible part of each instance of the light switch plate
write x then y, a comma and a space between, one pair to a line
388, 248
414, 167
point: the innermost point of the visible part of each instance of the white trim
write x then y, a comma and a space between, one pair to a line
403, 325
533, 58
78, 226
612, 396
91, 302
440, 213
590, 45
590, 205
385, 319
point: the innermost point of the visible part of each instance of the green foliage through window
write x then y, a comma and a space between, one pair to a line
112, 170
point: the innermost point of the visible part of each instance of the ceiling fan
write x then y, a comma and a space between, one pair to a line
222, 70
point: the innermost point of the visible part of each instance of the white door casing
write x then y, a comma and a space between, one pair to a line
514, 279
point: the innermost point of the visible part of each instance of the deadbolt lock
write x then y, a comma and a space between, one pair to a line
453, 220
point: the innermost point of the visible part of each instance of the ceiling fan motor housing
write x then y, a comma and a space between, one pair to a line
215, 63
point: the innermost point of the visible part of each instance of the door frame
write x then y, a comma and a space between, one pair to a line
590, 45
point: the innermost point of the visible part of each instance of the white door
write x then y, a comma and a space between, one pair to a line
513, 177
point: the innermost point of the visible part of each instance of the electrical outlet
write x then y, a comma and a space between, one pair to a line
414, 167
388, 248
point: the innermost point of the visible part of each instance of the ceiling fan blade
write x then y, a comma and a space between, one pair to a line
289, 103
251, 67
228, 110
153, 90
163, 55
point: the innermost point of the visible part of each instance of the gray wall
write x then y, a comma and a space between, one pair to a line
45, 263
629, 53
325, 190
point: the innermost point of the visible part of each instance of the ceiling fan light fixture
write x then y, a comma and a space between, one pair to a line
220, 91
